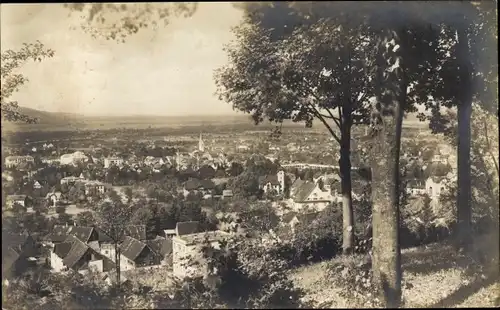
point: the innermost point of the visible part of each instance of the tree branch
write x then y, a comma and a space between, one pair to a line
318, 115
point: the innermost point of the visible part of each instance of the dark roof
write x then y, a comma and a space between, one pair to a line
11, 240
160, 246
82, 233
307, 218
186, 228
273, 179
136, 231
296, 186
207, 184
289, 216
102, 236
62, 249
58, 234
9, 258
75, 254
206, 169
416, 184
131, 248
193, 184
304, 191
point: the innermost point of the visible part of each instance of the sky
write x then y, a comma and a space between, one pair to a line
168, 71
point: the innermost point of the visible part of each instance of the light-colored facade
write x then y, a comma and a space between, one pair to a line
56, 262
94, 188
187, 258
318, 200
14, 161
71, 180
113, 161
74, 158
434, 187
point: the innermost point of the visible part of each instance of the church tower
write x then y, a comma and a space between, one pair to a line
281, 180
178, 160
201, 145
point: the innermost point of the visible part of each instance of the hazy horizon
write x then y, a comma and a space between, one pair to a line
163, 72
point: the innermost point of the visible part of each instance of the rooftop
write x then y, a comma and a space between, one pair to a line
211, 236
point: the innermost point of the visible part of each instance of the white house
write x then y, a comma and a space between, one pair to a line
94, 187
11, 200
71, 180
188, 260
74, 158
54, 197
113, 161
434, 186
310, 195
273, 183
14, 161
416, 188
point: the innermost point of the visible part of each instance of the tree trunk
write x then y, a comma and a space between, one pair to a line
464, 111
117, 264
346, 190
386, 261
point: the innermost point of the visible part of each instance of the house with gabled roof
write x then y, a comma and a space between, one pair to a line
273, 183
309, 195
76, 255
162, 247
183, 228
61, 232
53, 197
16, 251
415, 187
205, 187
135, 253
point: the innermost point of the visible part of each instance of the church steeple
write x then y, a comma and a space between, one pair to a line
201, 145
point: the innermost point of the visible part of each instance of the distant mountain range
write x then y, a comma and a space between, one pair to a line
49, 120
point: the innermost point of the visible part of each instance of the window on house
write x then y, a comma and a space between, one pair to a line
430, 190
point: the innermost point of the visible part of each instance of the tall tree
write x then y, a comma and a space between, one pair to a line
113, 217
466, 72
319, 72
12, 80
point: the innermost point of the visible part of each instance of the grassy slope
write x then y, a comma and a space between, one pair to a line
436, 274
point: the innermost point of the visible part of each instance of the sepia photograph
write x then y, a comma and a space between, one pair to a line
250, 155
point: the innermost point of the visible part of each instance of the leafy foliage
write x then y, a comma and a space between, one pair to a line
115, 21
245, 273
11, 80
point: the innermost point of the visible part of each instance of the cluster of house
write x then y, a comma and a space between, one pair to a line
16, 161
315, 194
88, 248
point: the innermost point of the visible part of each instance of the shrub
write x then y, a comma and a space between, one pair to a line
354, 276
316, 241
243, 274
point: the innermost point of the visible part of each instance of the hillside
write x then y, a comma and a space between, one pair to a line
433, 276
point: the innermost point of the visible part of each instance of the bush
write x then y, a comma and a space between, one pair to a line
316, 241
353, 274
244, 274
60, 209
